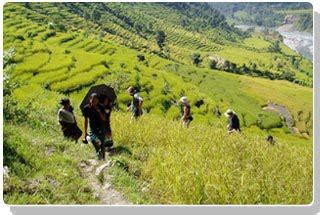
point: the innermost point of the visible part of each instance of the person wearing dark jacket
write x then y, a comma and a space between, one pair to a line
68, 121
94, 115
234, 123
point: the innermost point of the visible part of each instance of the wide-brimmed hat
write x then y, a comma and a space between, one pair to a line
131, 90
229, 112
183, 99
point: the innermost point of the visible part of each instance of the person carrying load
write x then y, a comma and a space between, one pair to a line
68, 121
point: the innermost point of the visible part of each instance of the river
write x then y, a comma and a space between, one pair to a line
300, 42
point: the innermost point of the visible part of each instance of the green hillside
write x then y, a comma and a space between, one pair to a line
54, 50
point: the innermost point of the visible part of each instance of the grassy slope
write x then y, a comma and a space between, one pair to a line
150, 166
82, 62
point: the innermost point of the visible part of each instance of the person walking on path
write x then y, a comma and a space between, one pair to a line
94, 115
68, 121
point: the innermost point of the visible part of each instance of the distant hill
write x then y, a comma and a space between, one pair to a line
269, 14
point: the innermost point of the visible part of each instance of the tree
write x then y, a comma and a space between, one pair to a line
226, 65
86, 15
244, 69
161, 38
290, 76
138, 27
101, 35
254, 67
183, 22
95, 15
149, 27
275, 47
233, 67
140, 57
196, 60
60, 27
27, 5
213, 64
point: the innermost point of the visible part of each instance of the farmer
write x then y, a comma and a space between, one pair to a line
136, 103
94, 114
186, 112
107, 106
270, 140
234, 124
68, 121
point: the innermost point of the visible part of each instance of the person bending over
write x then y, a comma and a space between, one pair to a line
234, 123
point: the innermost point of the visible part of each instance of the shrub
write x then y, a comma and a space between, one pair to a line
32, 34
160, 39
140, 57
11, 110
213, 64
9, 56
268, 120
48, 35
274, 47
199, 102
20, 37
196, 60
166, 88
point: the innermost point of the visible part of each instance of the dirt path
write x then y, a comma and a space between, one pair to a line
283, 112
100, 182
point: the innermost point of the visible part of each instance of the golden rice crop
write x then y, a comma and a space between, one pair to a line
205, 165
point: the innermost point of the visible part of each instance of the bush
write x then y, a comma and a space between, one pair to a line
268, 120
213, 64
140, 57
48, 35
32, 34
8, 57
11, 110
274, 47
196, 60
20, 37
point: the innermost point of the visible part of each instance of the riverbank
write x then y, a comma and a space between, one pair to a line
301, 42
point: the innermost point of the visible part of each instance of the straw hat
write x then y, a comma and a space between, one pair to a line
184, 100
131, 90
229, 112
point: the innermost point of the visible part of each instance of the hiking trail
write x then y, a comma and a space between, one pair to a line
92, 170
